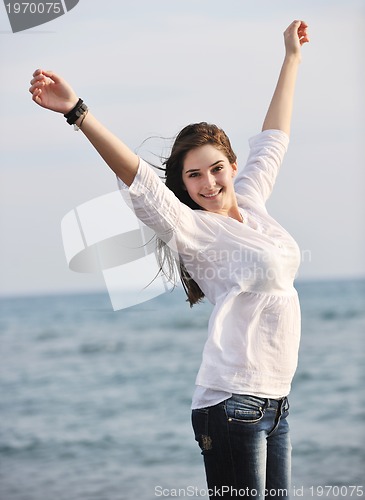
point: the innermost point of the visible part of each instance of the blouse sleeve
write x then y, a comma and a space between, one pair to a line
156, 205
257, 178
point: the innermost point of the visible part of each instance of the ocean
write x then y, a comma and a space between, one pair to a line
95, 404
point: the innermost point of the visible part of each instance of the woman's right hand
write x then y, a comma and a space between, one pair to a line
52, 92
294, 37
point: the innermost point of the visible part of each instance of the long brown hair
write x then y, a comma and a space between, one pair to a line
190, 137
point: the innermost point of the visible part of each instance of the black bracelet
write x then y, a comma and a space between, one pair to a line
75, 113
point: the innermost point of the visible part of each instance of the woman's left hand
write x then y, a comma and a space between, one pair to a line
295, 36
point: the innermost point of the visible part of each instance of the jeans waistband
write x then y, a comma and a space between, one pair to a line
276, 403
268, 402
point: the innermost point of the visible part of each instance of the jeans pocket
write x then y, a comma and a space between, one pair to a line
245, 409
199, 419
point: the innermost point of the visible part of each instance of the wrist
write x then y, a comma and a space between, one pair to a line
293, 57
76, 112
70, 106
79, 122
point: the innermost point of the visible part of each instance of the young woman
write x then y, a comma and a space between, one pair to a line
232, 251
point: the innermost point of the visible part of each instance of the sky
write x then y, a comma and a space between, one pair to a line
148, 69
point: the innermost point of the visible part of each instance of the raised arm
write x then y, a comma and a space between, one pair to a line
52, 92
280, 110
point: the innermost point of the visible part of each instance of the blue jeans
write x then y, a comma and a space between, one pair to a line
246, 447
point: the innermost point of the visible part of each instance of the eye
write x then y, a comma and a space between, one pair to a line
217, 168
194, 174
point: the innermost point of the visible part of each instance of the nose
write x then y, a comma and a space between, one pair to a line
209, 181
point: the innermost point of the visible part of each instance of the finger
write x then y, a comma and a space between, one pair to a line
37, 99
301, 23
302, 33
302, 29
298, 26
303, 37
37, 79
295, 25
293, 28
42, 73
34, 89
53, 76
37, 96
37, 85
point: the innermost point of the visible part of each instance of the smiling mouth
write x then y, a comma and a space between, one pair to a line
213, 195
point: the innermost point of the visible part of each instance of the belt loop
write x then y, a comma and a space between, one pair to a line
282, 404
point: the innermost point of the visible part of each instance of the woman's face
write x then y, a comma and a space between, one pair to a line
208, 178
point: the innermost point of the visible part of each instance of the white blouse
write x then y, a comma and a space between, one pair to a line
246, 270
